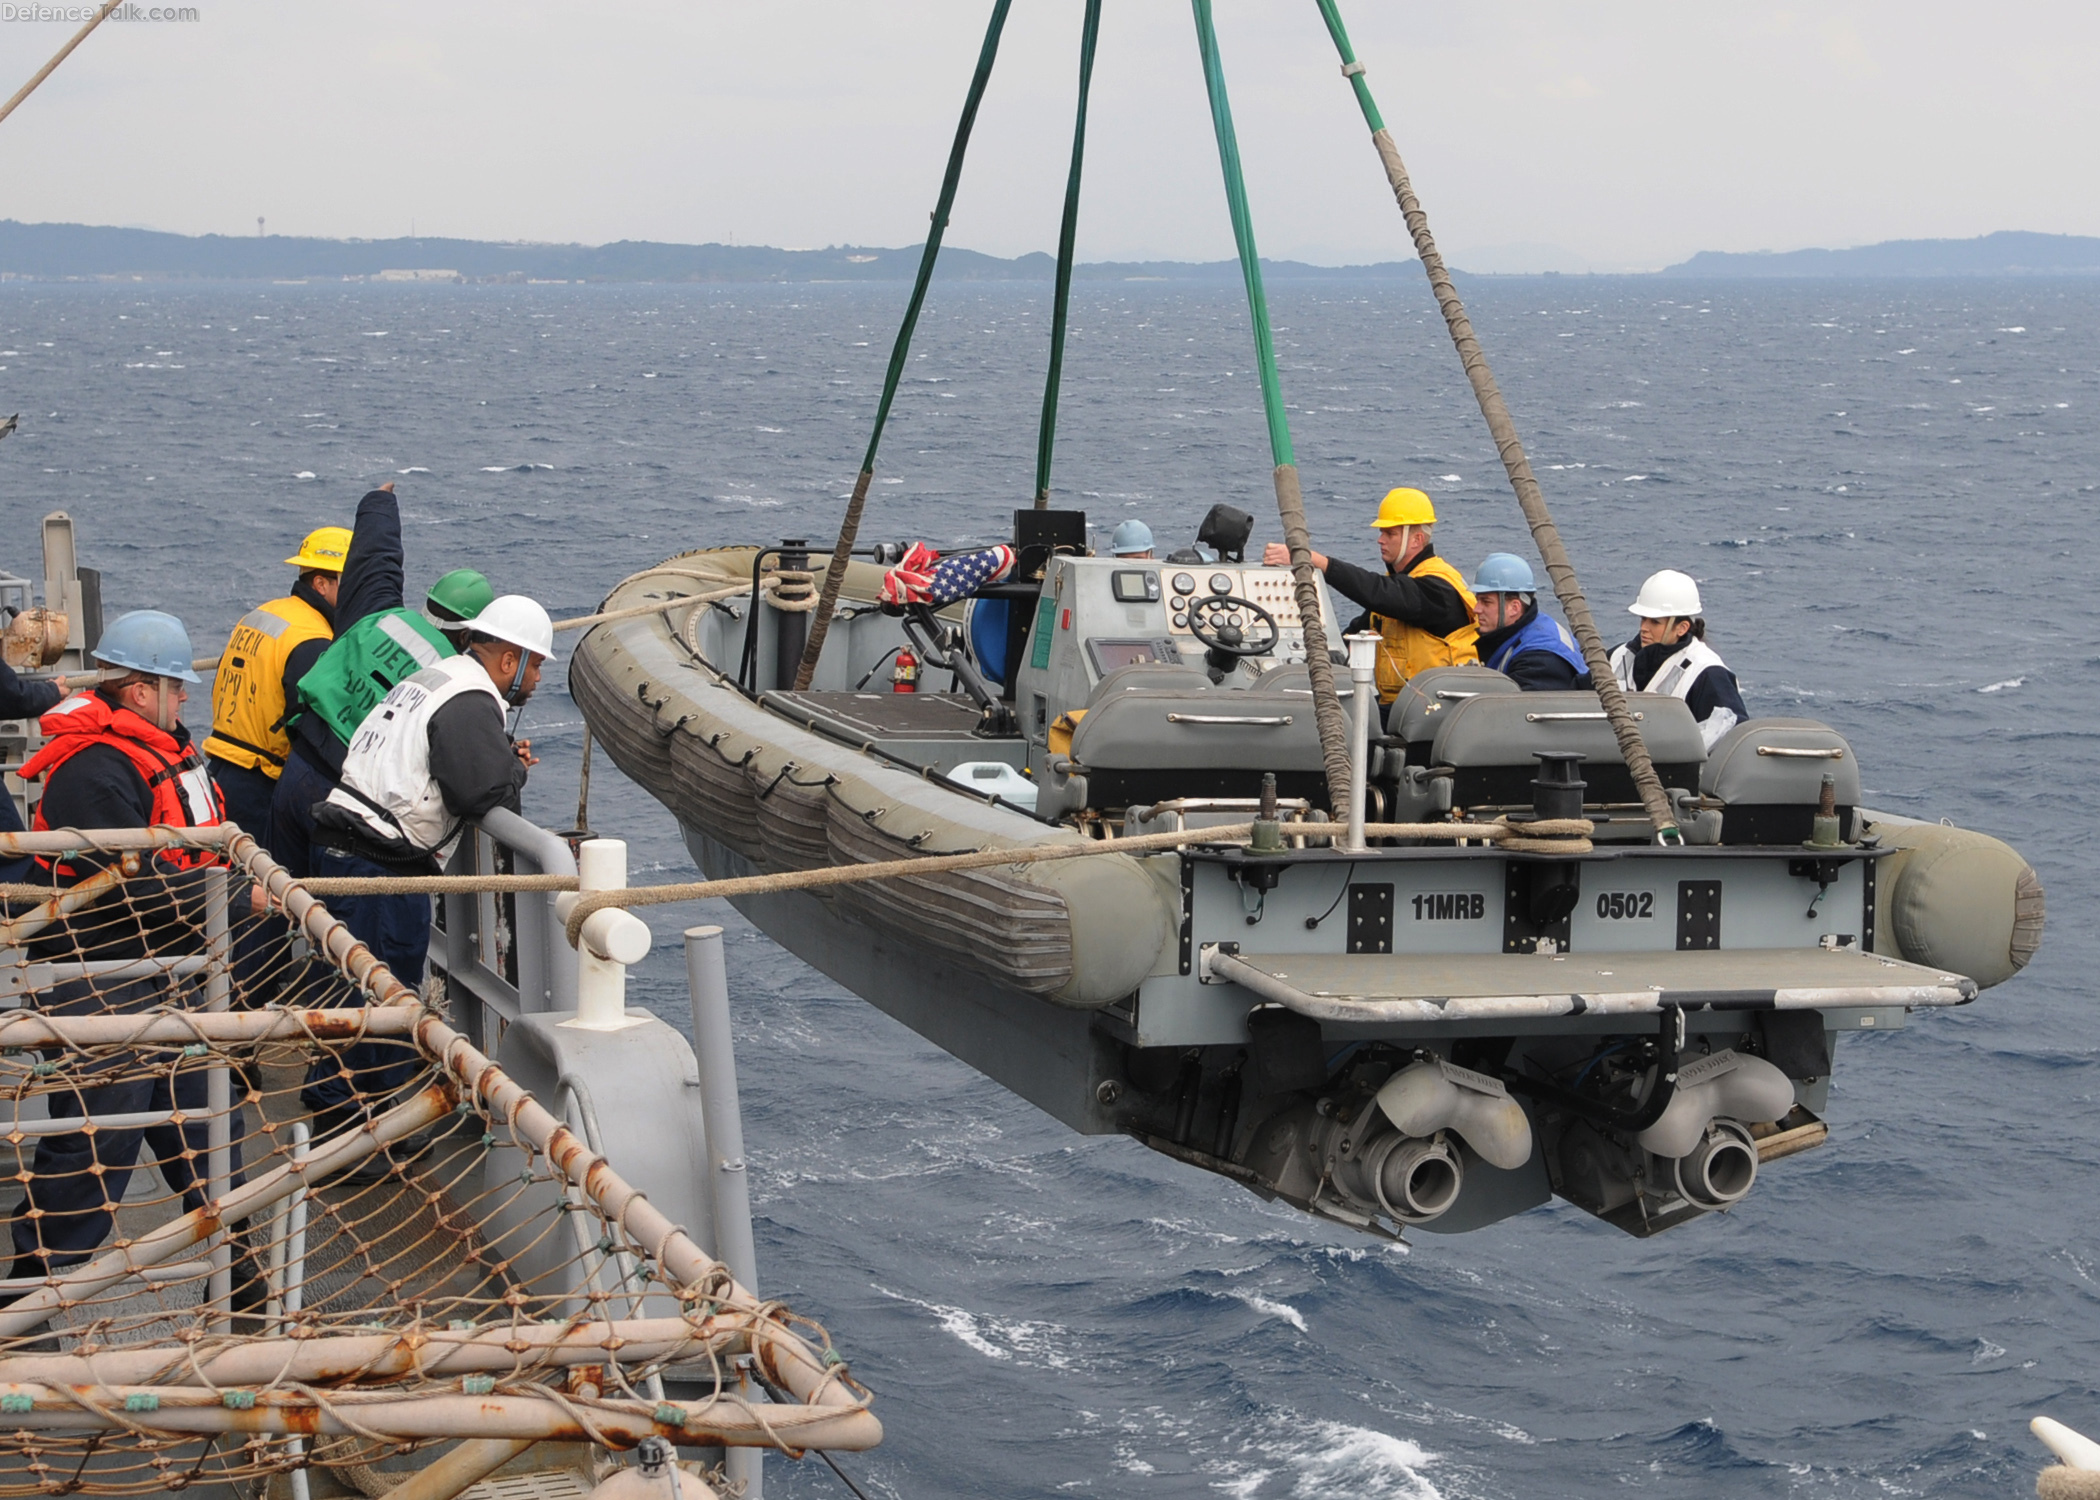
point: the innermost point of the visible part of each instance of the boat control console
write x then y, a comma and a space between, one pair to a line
1146, 680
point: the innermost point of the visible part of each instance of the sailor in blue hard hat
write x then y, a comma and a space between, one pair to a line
1131, 539
119, 757
1533, 650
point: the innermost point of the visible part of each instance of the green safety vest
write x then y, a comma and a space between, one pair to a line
364, 664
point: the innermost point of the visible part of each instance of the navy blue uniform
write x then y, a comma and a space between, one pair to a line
396, 928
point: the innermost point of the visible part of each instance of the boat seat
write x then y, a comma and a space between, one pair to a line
1770, 773
1427, 696
1148, 674
1295, 681
1142, 742
1491, 742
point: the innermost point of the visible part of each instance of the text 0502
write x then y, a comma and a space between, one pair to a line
1622, 906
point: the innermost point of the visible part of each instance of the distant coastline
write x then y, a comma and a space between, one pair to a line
2006, 253
81, 252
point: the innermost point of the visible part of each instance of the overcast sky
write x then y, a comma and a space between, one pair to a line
1629, 134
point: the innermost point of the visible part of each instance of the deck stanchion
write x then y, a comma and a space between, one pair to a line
1363, 663
707, 976
218, 1155
295, 1277
607, 948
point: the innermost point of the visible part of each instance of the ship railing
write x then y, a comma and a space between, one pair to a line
351, 1287
502, 953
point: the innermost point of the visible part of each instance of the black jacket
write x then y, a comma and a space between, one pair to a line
472, 759
19, 700
1429, 604
100, 788
472, 762
25, 700
374, 574
306, 653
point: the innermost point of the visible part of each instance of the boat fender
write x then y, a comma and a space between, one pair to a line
1425, 1097
1726, 1085
1121, 926
1960, 900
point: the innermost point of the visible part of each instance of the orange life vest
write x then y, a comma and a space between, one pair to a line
1408, 649
184, 795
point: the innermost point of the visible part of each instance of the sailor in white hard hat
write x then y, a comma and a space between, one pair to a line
1670, 655
435, 752
430, 755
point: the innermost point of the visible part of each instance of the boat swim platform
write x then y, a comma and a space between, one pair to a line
1385, 989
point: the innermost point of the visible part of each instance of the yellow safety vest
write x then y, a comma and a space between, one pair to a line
247, 695
1408, 649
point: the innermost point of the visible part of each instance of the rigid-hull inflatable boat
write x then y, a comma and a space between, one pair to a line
1438, 1032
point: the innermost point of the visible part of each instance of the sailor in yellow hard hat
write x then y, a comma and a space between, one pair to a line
272, 648
1420, 605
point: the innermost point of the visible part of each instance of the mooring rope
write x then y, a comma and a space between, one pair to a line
1290, 501
1544, 533
1067, 237
101, 15
1545, 836
849, 528
1564, 835
787, 579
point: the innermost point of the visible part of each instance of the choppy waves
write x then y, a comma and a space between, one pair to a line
1045, 1314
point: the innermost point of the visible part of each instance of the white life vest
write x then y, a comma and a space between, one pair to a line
386, 777
1676, 677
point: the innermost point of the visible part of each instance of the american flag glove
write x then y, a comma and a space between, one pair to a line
925, 577
908, 582
963, 574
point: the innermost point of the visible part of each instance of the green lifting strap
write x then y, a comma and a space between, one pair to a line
1290, 503
1351, 68
1243, 237
1046, 442
835, 575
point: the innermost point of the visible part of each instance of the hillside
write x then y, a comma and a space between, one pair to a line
2007, 253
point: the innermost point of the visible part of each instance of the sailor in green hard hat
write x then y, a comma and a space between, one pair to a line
379, 641
456, 599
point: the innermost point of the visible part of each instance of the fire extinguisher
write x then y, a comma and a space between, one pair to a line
904, 677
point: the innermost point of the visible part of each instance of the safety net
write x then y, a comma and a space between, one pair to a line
270, 1210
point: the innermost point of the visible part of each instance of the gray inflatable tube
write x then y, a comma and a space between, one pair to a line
1951, 898
1079, 933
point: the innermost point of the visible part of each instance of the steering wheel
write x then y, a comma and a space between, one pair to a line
1233, 626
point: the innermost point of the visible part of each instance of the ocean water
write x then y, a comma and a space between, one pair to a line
1887, 493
